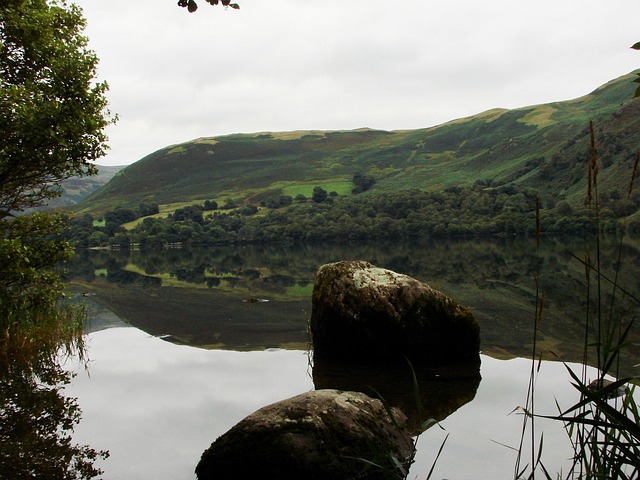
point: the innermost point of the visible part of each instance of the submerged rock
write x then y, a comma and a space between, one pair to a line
604, 389
323, 434
360, 311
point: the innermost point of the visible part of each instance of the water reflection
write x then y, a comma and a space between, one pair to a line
156, 406
36, 423
421, 392
198, 296
146, 396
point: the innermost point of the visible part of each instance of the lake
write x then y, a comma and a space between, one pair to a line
179, 353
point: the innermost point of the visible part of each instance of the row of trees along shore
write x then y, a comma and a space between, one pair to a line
481, 209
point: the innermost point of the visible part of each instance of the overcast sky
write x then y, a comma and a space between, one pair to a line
277, 65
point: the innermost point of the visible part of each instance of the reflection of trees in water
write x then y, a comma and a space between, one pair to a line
485, 262
36, 422
494, 276
36, 419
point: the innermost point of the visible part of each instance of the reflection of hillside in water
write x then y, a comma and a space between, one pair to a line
198, 296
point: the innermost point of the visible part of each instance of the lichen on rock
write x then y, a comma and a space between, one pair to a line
363, 311
316, 435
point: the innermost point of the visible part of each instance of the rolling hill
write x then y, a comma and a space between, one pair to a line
75, 189
544, 147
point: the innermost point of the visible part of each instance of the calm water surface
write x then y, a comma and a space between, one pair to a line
157, 406
178, 356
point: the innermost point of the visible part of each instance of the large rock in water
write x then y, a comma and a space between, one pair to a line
368, 313
323, 434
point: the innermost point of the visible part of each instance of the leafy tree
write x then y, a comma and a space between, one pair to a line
247, 210
362, 183
27, 256
191, 213
319, 195
98, 239
52, 120
52, 117
277, 202
121, 240
210, 205
148, 208
564, 209
119, 215
52, 112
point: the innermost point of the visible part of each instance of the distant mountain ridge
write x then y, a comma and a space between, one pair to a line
545, 147
77, 188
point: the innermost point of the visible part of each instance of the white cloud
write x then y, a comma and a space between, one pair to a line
286, 64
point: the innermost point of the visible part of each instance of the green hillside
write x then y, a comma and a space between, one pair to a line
491, 173
541, 146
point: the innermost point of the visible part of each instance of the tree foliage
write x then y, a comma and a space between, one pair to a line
52, 120
52, 113
362, 182
29, 249
319, 195
192, 6
481, 209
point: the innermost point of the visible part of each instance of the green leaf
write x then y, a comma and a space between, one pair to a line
192, 6
636, 46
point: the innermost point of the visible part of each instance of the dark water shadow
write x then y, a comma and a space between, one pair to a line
422, 392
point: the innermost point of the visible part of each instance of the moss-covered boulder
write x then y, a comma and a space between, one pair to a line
323, 434
367, 313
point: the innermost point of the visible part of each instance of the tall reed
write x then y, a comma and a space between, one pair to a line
528, 423
604, 424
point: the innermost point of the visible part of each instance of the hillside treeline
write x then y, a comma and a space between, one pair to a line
482, 209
